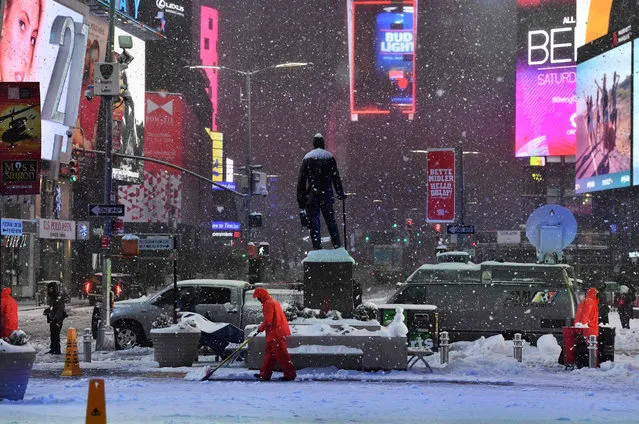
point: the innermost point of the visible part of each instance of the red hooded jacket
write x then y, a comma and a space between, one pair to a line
588, 312
8, 314
275, 323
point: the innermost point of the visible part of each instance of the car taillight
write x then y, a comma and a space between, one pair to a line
118, 290
87, 287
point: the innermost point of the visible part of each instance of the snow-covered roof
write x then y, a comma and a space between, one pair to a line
451, 266
328, 255
213, 282
407, 306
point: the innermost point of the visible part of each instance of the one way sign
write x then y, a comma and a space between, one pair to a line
460, 229
106, 210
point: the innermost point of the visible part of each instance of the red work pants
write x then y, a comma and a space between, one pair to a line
276, 352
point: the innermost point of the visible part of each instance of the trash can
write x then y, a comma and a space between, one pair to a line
606, 344
574, 343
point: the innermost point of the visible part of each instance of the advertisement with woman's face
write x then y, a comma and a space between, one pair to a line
33, 32
20, 31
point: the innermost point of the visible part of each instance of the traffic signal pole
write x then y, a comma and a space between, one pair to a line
105, 340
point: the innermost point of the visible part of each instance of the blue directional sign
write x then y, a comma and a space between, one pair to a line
225, 226
227, 184
10, 227
460, 229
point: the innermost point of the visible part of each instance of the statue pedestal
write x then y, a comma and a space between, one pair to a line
328, 281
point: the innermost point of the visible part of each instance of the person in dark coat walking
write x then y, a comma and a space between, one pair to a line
624, 306
55, 314
276, 326
604, 308
317, 178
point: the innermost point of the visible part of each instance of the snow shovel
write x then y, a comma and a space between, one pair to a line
231, 357
344, 219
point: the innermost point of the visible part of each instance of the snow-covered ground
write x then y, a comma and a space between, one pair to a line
482, 383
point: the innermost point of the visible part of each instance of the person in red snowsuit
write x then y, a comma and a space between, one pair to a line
588, 313
276, 326
8, 314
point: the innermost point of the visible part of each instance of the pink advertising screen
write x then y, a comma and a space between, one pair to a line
546, 78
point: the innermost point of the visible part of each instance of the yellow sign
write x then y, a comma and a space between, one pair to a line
96, 404
71, 361
217, 156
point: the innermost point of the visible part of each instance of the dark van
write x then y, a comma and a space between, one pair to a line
475, 300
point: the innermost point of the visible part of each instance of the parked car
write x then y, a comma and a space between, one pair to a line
124, 286
228, 301
475, 300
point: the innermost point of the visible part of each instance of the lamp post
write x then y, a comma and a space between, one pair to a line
247, 122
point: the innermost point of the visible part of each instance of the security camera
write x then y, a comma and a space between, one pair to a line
89, 94
69, 132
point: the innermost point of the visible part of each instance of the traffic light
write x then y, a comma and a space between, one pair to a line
74, 166
438, 228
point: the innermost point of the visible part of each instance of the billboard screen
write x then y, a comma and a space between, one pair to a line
546, 80
596, 18
635, 112
52, 54
131, 118
440, 199
604, 81
381, 48
163, 130
20, 131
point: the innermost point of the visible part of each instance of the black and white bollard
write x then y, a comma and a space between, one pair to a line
87, 339
518, 347
592, 351
443, 347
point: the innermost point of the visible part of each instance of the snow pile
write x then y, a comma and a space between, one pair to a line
328, 255
191, 318
6, 347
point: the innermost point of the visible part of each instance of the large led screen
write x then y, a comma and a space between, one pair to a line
596, 18
545, 86
635, 111
382, 38
604, 81
46, 42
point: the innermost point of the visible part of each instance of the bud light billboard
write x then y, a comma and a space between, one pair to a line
546, 78
382, 56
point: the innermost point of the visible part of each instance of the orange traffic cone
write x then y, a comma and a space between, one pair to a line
96, 404
72, 361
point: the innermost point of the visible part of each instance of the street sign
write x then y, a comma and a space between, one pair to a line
460, 229
11, 227
155, 243
106, 210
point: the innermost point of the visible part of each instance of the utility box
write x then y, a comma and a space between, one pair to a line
328, 281
107, 79
259, 184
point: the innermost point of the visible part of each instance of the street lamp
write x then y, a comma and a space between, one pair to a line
247, 121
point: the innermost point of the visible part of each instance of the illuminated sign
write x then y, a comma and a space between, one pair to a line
596, 18
604, 81
545, 89
217, 155
381, 36
635, 112
54, 57
440, 172
225, 226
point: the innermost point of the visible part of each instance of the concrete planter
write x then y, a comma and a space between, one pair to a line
175, 348
15, 369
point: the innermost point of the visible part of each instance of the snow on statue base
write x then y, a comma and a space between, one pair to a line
328, 281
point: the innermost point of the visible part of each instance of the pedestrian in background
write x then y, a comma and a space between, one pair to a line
276, 326
624, 306
55, 314
318, 175
8, 314
604, 308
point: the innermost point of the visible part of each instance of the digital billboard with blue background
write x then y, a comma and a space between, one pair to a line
635, 111
604, 82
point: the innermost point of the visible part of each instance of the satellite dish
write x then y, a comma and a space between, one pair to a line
550, 228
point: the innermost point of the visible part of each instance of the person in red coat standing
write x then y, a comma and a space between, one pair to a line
8, 314
588, 313
276, 326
